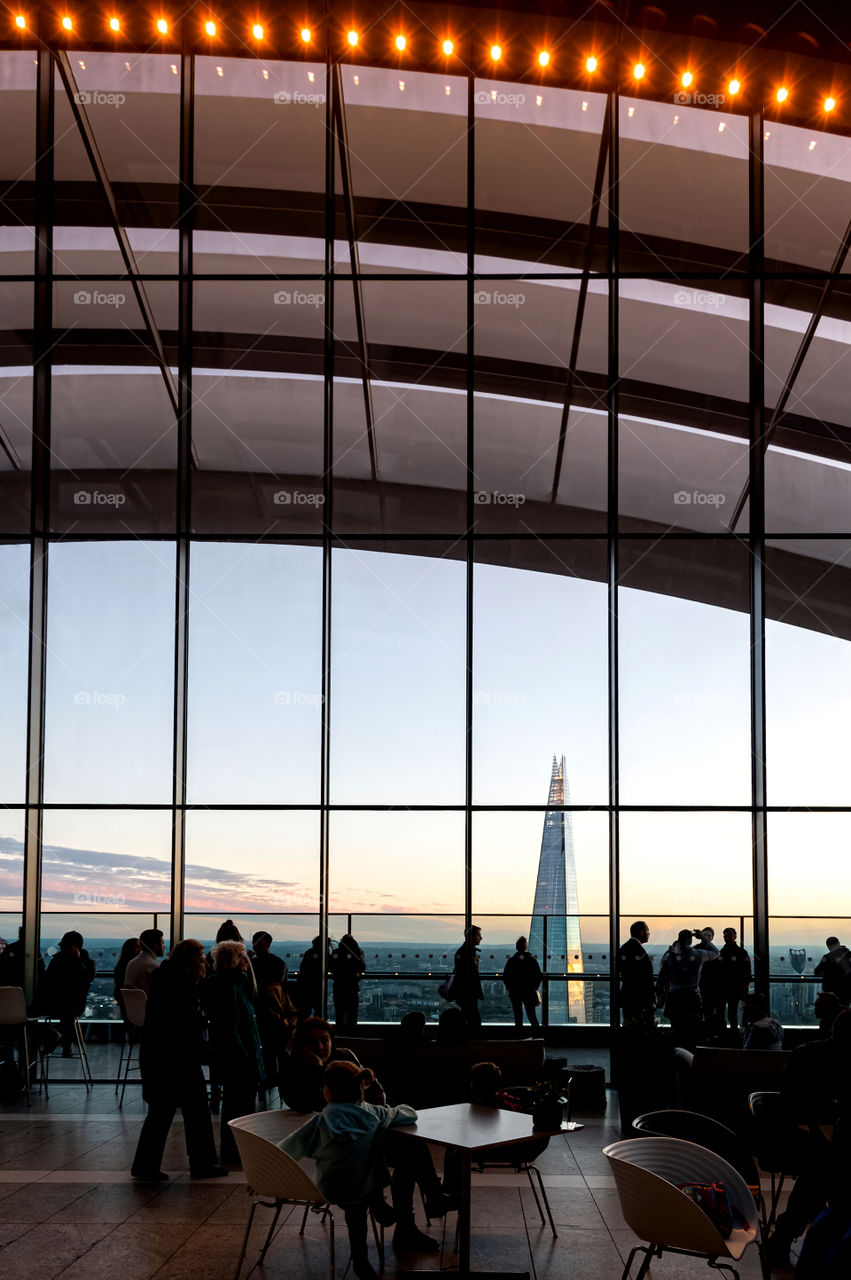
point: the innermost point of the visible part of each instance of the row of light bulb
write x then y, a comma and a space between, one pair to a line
592, 64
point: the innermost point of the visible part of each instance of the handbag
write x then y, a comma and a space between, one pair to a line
712, 1198
445, 988
537, 997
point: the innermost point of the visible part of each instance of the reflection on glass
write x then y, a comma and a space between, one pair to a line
265, 861
684, 664
399, 863
17, 159
110, 642
806, 196
14, 657
11, 871
397, 678
808, 672
16, 403
108, 859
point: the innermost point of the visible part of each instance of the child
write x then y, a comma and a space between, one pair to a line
347, 1141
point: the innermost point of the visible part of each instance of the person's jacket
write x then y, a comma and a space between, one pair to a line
680, 968
733, 970
345, 1141
635, 970
834, 969
141, 971
309, 980
765, 1034
66, 983
467, 984
301, 1078
173, 1046
522, 973
348, 971
235, 1048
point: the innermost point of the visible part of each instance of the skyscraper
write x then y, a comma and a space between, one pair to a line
556, 897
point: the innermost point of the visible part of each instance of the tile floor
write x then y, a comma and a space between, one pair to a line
69, 1208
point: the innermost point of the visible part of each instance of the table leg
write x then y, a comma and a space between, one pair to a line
464, 1219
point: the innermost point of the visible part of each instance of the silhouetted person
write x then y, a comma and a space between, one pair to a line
235, 1049
827, 1008
761, 1030
452, 1027
410, 1031
309, 981
834, 969
733, 978
172, 1051
129, 950
13, 964
679, 978
276, 1017
522, 977
348, 969
635, 973
467, 987
140, 972
313, 1049
66, 986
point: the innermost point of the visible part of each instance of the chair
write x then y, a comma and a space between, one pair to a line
275, 1179
774, 1151
691, 1126
135, 1006
527, 1167
13, 1013
81, 1048
647, 1172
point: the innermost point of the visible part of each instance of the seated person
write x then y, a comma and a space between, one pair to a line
486, 1091
350, 1142
302, 1070
761, 1030
452, 1026
65, 986
411, 1030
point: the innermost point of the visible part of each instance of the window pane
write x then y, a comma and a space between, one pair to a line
16, 403
281, 877
808, 672
692, 866
398, 678
530, 626
14, 659
17, 159
109, 700
95, 860
684, 661
255, 681
397, 863
11, 872
806, 196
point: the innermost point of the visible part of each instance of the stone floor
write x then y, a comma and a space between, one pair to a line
69, 1208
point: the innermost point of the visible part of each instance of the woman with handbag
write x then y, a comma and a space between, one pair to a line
522, 977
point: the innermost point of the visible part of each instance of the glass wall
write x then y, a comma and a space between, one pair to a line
428, 525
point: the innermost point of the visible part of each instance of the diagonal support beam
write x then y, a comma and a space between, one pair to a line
797, 364
357, 289
105, 186
593, 221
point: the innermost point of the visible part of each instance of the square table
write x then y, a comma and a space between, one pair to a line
468, 1128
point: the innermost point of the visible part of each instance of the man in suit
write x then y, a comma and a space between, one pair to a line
635, 974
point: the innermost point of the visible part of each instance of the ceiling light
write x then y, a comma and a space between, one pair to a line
162, 26
352, 38
543, 58
257, 31
448, 48
686, 79
114, 24
829, 104
210, 28
67, 24
20, 21
400, 43
306, 34
638, 71
782, 94
591, 63
734, 86
496, 52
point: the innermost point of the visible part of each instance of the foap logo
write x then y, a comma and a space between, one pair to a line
297, 498
296, 298
498, 698
296, 698
496, 298
684, 99
99, 98
100, 899
96, 298
298, 99
97, 498
496, 98
699, 298
95, 698
698, 498
495, 498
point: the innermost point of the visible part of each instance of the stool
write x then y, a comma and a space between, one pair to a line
587, 1087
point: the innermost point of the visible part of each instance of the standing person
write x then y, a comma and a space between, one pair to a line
308, 987
235, 1049
522, 977
679, 976
734, 978
173, 1049
467, 986
635, 975
273, 1008
834, 969
140, 972
348, 969
66, 986
129, 950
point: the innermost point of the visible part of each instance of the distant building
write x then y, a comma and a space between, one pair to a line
557, 899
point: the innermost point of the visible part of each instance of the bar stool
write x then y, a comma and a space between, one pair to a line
81, 1047
135, 1006
13, 1013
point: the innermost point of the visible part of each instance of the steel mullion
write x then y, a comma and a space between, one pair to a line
613, 557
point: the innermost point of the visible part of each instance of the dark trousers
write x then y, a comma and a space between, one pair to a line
191, 1099
412, 1166
346, 1010
238, 1097
470, 1010
683, 1009
521, 1000
813, 1155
